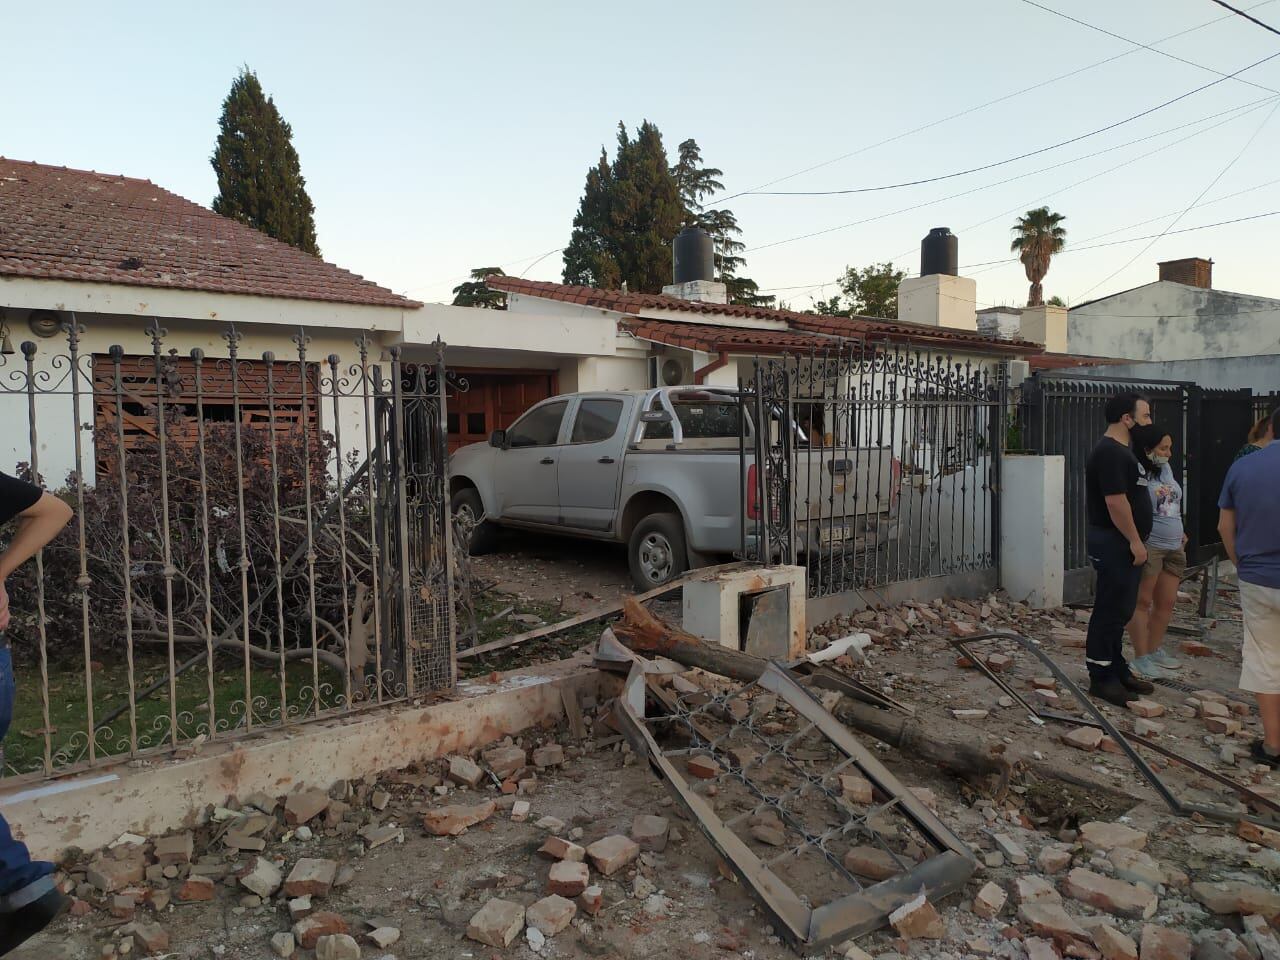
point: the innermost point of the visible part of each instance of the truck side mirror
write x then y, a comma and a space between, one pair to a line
498, 439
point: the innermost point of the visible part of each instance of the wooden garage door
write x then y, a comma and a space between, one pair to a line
494, 401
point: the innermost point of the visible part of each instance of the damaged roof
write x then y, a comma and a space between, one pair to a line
62, 224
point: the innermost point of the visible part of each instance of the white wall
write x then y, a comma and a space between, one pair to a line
525, 327
1258, 373
1173, 321
1032, 536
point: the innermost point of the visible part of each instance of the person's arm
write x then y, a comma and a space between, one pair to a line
1122, 516
37, 525
1227, 530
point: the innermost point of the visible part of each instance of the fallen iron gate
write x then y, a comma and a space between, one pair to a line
880, 462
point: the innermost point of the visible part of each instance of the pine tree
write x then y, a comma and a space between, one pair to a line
629, 213
696, 183
259, 177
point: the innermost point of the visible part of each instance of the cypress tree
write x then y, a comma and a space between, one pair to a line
259, 176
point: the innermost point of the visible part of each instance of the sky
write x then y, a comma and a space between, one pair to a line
435, 138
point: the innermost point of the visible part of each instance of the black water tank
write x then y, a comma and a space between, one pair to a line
693, 256
940, 253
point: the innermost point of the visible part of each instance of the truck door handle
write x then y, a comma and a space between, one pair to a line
546, 461
606, 460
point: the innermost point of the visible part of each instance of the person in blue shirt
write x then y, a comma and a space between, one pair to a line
1249, 522
1166, 555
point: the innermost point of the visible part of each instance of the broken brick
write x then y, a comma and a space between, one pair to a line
551, 914
465, 771
497, 923
1194, 648
999, 662
152, 937
260, 876
771, 834
917, 919
557, 849
1054, 859
310, 878
551, 755
1051, 920
195, 889
1083, 738
650, 832
450, 821
568, 878
339, 946
856, 789
1252, 833
1222, 725
1114, 945
309, 930
613, 853
110, 875
1033, 889
283, 945
1114, 896
505, 761
1236, 896
592, 900
703, 768
1039, 948
303, 806
989, 901
1147, 728
175, 849
873, 863
1164, 943
1100, 835
1146, 708
1011, 849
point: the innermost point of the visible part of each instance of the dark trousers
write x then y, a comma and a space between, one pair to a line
18, 872
1114, 601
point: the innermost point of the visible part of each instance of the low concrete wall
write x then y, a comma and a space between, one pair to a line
970, 585
93, 809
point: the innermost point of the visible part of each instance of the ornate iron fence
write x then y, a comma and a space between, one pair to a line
256, 542
878, 462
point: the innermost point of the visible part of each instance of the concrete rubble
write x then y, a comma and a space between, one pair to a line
590, 858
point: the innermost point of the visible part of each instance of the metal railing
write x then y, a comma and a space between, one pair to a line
257, 542
881, 463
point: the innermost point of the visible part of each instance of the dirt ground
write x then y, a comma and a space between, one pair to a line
549, 569
429, 887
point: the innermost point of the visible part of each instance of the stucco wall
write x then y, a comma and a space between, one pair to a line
1260, 374
1172, 321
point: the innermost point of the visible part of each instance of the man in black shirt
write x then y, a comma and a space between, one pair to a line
28, 899
1119, 512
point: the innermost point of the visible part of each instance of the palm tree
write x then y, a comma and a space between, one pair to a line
1037, 237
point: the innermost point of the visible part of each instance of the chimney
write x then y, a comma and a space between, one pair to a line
1192, 271
693, 268
938, 297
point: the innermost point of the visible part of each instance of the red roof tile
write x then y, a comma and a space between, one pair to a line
60, 224
712, 338
858, 328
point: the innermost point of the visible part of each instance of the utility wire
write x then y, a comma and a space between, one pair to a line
1212, 183
1138, 43
1021, 156
1241, 13
975, 109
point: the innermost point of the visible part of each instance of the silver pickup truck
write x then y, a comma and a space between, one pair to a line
661, 471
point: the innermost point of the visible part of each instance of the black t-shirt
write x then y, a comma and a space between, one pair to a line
1112, 468
15, 496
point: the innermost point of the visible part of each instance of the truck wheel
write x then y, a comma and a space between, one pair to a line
656, 551
466, 506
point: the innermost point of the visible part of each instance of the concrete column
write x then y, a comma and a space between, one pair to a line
1032, 538
712, 611
1047, 325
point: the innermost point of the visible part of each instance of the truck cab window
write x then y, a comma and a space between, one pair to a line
539, 427
597, 420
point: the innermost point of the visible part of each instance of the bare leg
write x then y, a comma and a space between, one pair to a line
1164, 597
1269, 710
1138, 624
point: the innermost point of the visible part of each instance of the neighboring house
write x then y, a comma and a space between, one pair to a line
116, 253
1180, 328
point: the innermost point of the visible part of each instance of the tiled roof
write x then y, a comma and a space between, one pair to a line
61, 224
712, 338
859, 328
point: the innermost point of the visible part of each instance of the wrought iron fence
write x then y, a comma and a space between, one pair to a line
879, 462
1062, 414
1264, 404
256, 542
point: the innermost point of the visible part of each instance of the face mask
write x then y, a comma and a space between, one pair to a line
1159, 461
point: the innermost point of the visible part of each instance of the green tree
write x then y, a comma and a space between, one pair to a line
695, 183
1056, 301
259, 176
476, 293
629, 213
1037, 237
873, 291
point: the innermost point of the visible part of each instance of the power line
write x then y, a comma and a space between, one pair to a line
978, 107
1212, 183
1241, 13
1138, 43
1240, 111
1021, 156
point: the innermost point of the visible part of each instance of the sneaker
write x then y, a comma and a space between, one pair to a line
24, 923
1164, 658
1112, 691
1134, 685
1258, 751
1146, 666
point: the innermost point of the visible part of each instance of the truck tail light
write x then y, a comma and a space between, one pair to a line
753, 494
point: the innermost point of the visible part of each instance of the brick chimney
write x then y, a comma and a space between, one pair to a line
1193, 271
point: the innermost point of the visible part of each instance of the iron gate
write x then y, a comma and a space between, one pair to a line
880, 462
